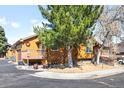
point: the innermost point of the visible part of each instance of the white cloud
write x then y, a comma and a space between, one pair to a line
3, 21
33, 21
15, 25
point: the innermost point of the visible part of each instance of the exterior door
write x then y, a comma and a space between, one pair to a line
19, 54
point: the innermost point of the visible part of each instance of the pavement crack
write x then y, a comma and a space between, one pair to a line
104, 83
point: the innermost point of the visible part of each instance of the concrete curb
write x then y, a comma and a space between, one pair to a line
75, 76
11, 62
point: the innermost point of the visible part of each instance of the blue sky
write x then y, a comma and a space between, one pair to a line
18, 21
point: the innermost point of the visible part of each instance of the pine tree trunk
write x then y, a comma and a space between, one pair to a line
70, 62
74, 56
98, 57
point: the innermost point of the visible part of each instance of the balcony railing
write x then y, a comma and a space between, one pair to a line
33, 54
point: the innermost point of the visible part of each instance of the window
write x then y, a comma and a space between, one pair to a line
38, 45
88, 50
55, 49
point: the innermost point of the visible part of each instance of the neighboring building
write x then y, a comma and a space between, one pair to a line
105, 52
120, 50
10, 53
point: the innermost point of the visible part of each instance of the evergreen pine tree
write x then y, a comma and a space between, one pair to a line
71, 25
3, 42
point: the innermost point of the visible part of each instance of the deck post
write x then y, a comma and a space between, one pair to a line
28, 61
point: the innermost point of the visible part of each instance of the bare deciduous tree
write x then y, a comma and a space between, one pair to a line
109, 26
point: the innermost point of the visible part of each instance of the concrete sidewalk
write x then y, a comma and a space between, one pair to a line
74, 76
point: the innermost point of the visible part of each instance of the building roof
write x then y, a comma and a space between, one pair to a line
29, 37
24, 39
120, 47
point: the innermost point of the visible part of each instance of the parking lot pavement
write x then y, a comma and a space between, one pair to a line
10, 77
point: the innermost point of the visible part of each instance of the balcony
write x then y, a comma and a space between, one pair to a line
33, 54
